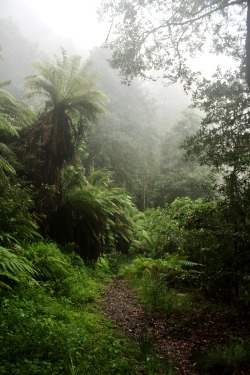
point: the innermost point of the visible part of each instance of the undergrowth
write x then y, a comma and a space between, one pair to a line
228, 359
51, 323
153, 279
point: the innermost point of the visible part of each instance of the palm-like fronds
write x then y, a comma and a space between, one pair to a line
12, 267
68, 85
102, 213
48, 261
71, 102
5, 167
13, 116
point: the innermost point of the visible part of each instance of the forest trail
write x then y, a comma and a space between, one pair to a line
180, 338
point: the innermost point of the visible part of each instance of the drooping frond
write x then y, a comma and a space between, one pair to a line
5, 167
102, 213
71, 104
6, 126
13, 115
12, 267
67, 84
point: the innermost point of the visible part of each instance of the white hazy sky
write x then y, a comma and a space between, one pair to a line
75, 21
71, 19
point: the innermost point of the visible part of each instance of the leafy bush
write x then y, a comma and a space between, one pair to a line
203, 233
100, 214
158, 296
167, 230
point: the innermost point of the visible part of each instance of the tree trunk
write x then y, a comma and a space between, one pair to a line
248, 45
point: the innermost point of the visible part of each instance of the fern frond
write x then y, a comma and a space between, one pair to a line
12, 267
188, 263
5, 166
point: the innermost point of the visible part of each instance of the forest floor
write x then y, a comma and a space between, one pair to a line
181, 338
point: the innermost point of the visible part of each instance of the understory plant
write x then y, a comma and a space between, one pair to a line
51, 323
13, 267
228, 359
155, 280
205, 234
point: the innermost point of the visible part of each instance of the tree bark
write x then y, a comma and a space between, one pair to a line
248, 45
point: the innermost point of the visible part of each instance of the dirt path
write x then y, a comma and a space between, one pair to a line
180, 338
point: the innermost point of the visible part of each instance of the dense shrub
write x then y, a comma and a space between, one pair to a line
202, 233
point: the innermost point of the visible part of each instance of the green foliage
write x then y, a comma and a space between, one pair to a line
13, 267
64, 274
141, 42
17, 222
54, 326
48, 261
157, 296
154, 279
200, 232
163, 230
13, 115
48, 333
102, 214
228, 359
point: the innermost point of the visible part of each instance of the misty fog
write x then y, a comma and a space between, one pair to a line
134, 136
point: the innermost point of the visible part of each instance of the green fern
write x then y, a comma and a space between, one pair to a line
188, 263
13, 267
48, 261
13, 114
103, 213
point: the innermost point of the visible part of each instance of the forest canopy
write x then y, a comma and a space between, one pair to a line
156, 38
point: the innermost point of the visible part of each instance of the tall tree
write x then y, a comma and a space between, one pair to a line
223, 143
223, 139
71, 103
164, 35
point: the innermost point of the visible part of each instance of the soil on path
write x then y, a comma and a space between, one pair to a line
181, 338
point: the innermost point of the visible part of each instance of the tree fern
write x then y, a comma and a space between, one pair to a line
71, 102
102, 214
